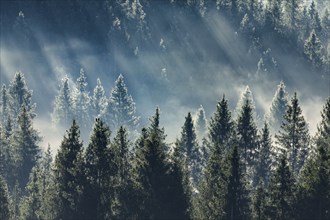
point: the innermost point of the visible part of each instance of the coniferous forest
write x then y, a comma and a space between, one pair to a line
250, 154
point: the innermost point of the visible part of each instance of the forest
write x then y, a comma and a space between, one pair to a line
114, 160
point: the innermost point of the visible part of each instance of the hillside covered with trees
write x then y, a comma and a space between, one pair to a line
248, 159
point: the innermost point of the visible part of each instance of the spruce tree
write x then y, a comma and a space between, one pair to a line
5, 105
98, 99
157, 181
5, 202
313, 50
200, 123
281, 199
189, 146
121, 110
68, 174
100, 169
25, 144
213, 187
20, 96
278, 108
237, 201
294, 135
259, 201
247, 135
81, 101
221, 128
63, 104
324, 126
125, 184
264, 161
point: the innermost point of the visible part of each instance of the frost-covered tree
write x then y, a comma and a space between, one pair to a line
294, 136
246, 95
200, 123
313, 50
266, 65
277, 109
20, 96
121, 110
221, 128
323, 128
5, 105
247, 135
99, 101
5, 202
189, 146
63, 109
315, 20
326, 26
25, 141
81, 101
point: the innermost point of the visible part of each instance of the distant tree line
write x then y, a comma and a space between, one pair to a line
231, 170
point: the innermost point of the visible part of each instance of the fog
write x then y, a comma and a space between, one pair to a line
177, 75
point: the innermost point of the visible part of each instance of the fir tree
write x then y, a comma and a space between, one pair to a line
68, 176
212, 187
125, 185
259, 201
189, 146
81, 101
5, 105
5, 202
121, 110
278, 108
221, 128
247, 135
264, 161
200, 123
20, 96
281, 193
155, 177
314, 186
63, 109
100, 170
237, 201
294, 135
324, 126
313, 50
98, 99
25, 144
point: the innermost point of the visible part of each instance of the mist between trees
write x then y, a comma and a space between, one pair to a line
236, 165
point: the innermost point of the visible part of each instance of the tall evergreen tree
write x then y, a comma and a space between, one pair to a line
314, 185
121, 110
200, 123
313, 50
278, 108
157, 180
281, 193
189, 146
323, 133
81, 101
20, 96
63, 109
5, 202
213, 187
247, 135
237, 201
68, 174
294, 135
5, 105
125, 185
25, 144
100, 170
265, 157
221, 128
98, 99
